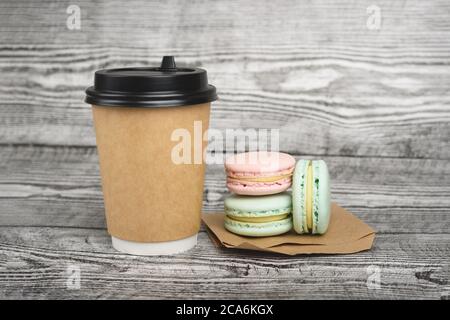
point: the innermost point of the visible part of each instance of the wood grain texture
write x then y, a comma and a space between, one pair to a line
329, 84
366, 114
411, 267
61, 187
374, 104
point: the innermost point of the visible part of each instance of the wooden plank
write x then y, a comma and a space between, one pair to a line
224, 24
367, 115
337, 89
47, 186
34, 264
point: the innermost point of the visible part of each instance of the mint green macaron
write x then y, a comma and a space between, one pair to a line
311, 200
258, 216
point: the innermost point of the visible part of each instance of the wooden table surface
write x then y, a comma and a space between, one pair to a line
373, 102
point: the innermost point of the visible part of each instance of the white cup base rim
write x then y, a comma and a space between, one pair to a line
154, 248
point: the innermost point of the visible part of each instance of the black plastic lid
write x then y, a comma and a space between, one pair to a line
162, 86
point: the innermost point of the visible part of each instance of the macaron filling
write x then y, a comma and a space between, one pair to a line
311, 197
240, 180
260, 219
237, 182
258, 216
260, 179
249, 174
306, 194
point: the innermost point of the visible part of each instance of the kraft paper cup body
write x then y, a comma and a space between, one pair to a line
153, 205
150, 122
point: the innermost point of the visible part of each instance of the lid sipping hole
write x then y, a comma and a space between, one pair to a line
168, 64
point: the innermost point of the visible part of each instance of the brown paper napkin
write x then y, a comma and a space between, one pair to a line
346, 234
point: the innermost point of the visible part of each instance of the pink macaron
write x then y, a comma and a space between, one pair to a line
259, 173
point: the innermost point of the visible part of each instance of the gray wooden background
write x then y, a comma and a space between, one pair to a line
374, 104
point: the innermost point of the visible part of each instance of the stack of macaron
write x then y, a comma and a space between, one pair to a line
261, 206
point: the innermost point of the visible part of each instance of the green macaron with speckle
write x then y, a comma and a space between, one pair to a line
311, 203
258, 216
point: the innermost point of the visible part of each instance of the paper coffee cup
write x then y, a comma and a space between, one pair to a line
152, 201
